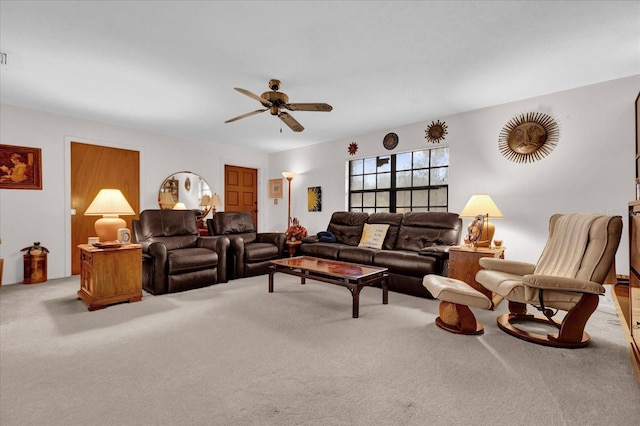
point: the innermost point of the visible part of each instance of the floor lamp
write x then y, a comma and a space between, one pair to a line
289, 176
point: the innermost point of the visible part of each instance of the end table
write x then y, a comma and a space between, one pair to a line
110, 275
464, 264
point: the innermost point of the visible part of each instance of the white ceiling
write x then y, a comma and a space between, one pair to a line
170, 66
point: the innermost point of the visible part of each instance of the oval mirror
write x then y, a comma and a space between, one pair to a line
187, 191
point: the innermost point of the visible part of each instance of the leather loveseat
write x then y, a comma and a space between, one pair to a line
416, 244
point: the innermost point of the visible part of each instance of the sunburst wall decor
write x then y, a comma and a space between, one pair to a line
353, 148
528, 137
435, 131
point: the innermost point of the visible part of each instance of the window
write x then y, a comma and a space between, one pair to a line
410, 181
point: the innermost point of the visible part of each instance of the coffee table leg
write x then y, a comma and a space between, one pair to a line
272, 270
385, 290
355, 292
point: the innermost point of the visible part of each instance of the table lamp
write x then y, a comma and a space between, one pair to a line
482, 204
215, 202
180, 206
110, 204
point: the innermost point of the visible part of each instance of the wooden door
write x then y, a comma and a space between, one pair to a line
241, 190
92, 169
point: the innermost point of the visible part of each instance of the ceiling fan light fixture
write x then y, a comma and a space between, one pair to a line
275, 101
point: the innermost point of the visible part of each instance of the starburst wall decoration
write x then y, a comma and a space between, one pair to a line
353, 148
435, 131
528, 137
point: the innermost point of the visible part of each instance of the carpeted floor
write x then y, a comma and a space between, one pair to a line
233, 354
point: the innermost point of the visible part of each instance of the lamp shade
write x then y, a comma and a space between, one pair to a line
205, 200
166, 200
288, 175
109, 203
481, 204
216, 201
180, 206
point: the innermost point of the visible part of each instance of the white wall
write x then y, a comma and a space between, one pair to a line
28, 215
591, 169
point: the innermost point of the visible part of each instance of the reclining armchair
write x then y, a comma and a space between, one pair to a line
250, 251
568, 276
175, 257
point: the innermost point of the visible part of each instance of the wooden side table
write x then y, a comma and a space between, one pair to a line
293, 247
110, 276
464, 264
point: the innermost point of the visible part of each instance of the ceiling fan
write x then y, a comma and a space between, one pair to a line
275, 101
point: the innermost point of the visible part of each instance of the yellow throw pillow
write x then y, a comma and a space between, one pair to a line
373, 235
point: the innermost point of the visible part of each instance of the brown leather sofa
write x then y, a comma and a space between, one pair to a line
175, 257
416, 244
250, 251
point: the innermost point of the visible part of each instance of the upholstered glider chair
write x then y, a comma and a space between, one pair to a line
568, 277
175, 257
250, 251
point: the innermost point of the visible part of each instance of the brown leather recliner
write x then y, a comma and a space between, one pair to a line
250, 251
175, 257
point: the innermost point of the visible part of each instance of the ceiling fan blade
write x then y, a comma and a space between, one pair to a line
309, 107
291, 122
249, 114
263, 101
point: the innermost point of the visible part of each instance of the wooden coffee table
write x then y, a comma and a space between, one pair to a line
350, 275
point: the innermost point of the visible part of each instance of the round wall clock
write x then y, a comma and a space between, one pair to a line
528, 137
435, 131
390, 141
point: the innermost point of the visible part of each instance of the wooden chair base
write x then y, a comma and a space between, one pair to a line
458, 319
507, 322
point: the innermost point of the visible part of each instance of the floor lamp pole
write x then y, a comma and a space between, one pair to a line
289, 176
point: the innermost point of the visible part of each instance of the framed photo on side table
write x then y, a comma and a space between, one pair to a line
20, 167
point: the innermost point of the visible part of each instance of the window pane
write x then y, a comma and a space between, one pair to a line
384, 163
403, 161
370, 165
357, 167
438, 197
369, 181
421, 177
403, 179
369, 199
438, 209
369, 210
420, 209
356, 200
420, 159
382, 199
384, 180
420, 198
439, 157
440, 176
356, 183
403, 198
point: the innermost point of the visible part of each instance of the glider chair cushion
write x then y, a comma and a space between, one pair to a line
568, 276
250, 251
175, 257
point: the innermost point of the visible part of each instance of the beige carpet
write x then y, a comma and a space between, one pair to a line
233, 354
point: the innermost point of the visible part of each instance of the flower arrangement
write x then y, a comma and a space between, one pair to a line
295, 232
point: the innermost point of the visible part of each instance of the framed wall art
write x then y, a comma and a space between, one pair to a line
20, 167
314, 198
275, 188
